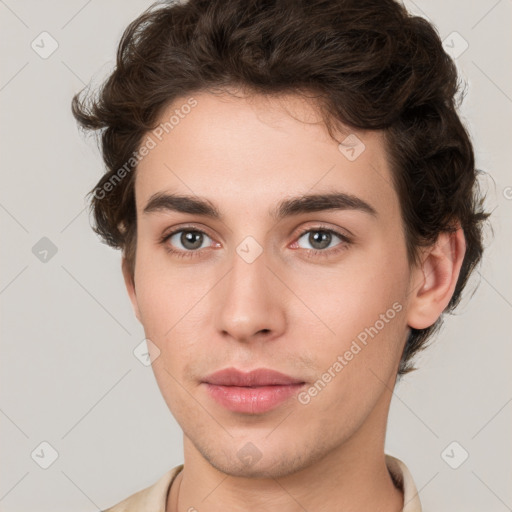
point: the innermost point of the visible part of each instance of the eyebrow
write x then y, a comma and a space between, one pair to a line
162, 202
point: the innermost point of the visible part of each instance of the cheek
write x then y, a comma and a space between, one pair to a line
351, 297
358, 314
165, 292
172, 305
358, 354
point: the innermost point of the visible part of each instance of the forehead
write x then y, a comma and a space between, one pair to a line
249, 152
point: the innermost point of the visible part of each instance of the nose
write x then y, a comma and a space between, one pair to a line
249, 303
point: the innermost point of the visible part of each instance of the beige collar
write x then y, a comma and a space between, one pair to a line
154, 498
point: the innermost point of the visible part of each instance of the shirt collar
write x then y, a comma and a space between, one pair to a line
403, 480
154, 498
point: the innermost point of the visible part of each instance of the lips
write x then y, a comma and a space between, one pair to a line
253, 392
254, 378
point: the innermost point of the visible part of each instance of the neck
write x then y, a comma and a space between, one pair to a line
358, 479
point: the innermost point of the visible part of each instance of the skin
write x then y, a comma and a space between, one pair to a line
286, 311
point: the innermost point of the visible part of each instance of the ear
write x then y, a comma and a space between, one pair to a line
130, 287
433, 283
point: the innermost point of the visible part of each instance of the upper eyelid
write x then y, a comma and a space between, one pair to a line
173, 231
335, 231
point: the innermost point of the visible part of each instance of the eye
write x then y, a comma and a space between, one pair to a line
190, 240
322, 240
186, 242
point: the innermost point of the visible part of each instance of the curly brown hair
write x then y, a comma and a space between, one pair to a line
369, 64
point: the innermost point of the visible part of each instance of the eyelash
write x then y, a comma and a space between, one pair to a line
311, 253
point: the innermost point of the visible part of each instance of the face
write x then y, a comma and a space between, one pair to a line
316, 289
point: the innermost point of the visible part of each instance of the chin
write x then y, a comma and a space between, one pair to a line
249, 462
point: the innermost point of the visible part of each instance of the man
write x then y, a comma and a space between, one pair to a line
294, 195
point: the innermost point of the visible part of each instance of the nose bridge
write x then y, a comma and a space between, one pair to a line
248, 301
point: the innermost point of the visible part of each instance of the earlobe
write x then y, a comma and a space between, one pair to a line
130, 287
434, 282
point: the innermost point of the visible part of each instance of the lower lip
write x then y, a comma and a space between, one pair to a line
255, 400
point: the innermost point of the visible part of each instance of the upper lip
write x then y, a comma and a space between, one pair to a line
258, 377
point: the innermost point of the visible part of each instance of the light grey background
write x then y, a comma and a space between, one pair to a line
68, 373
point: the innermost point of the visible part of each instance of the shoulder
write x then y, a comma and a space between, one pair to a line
150, 499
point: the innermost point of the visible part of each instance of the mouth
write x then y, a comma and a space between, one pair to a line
253, 392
